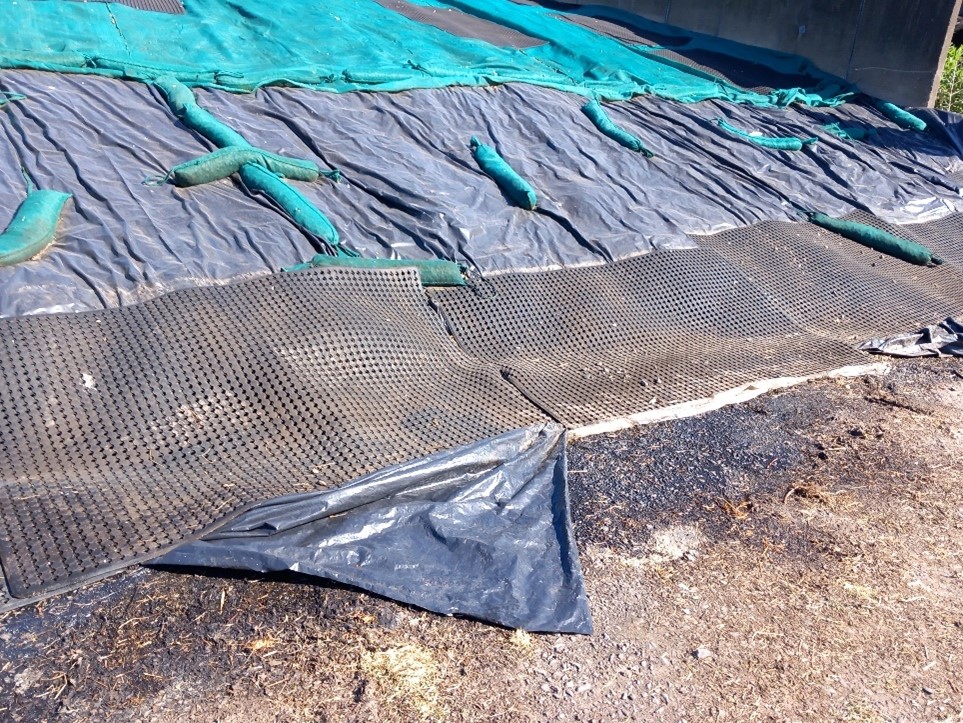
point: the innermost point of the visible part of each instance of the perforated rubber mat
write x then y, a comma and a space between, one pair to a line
767, 301
462, 24
172, 7
125, 432
835, 287
593, 344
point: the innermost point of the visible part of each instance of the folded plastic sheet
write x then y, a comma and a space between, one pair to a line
482, 530
947, 128
943, 339
411, 188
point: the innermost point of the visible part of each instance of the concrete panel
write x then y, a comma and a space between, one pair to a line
899, 46
820, 29
651, 9
892, 49
702, 17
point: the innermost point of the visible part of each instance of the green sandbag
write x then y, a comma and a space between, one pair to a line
850, 133
256, 177
497, 168
6, 97
300, 209
225, 162
877, 239
33, 227
777, 144
435, 272
593, 109
182, 101
901, 117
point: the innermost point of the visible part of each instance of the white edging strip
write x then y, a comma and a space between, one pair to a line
722, 399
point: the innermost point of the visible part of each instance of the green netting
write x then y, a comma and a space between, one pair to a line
344, 45
9, 97
850, 133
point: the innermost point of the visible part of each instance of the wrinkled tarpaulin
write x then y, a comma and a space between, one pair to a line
411, 188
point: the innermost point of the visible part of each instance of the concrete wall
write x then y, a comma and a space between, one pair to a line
893, 49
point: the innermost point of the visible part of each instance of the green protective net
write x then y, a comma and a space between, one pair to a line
345, 45
850, 133
9, 98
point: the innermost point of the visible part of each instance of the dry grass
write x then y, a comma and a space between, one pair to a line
406, 677
859, 711
738, 511
521, 639
809, 490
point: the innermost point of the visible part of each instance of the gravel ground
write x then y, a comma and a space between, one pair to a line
799, 557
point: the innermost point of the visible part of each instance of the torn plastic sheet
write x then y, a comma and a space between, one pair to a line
482, 530
943, 339
411, 189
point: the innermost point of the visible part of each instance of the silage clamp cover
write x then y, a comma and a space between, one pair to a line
346, 45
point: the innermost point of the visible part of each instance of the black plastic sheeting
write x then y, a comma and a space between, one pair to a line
482, 530
411, 189
943, 339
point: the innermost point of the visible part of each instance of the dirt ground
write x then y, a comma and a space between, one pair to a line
799, 557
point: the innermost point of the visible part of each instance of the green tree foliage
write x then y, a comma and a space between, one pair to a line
950, 96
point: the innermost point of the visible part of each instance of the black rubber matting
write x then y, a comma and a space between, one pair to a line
835, 287
462, 24
768, 301
172, 7
125, 432
598, 343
